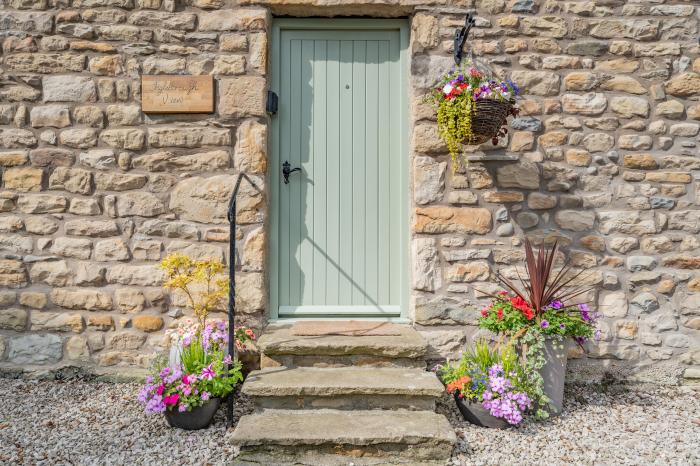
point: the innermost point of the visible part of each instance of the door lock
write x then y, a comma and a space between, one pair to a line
288, 170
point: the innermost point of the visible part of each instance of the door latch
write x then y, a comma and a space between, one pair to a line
288, 170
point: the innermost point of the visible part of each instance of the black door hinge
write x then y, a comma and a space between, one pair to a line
271, 106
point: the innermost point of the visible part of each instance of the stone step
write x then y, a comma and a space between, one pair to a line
343, 388
280, 346
332, 437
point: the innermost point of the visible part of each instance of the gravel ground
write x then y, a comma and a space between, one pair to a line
85, 423
613, 425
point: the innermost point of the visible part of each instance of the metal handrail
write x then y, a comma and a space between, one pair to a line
232, 282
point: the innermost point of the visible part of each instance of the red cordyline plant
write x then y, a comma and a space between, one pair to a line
542, 286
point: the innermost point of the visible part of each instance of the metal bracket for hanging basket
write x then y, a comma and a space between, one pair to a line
461, 35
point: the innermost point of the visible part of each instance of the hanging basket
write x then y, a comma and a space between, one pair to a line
487, 118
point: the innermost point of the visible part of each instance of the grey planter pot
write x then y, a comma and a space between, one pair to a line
478, 415
199, 418
554, 373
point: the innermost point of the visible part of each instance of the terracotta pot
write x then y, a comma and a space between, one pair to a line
478, 415
198, 418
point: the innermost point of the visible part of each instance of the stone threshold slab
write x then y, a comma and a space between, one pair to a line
345, 327
279, 339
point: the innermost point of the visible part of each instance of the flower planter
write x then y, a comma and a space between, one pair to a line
488, 118
198, 418
554, 372
477, 414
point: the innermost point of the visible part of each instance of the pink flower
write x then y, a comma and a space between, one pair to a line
228, 360
160, 389
205, 396
186, 380
208, 373
171, 400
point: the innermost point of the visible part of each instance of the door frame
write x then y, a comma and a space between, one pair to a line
279, 24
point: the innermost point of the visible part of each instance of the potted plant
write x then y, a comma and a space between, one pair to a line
189, 393
472, 108
490, 386
539, 316
189, 385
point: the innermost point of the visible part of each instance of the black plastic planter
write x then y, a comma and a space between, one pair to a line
478, 415
198, 418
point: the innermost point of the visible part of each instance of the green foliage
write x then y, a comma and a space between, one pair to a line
454, 118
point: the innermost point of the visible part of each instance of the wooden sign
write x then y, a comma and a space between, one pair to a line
177, 94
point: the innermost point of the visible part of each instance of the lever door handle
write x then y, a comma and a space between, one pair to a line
288, 170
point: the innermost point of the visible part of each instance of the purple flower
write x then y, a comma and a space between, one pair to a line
182, 408
495, 370
556, 304
544, 324
164, 372
208, 373
221, 325
155, 405
562, 326
585, 312
228, 360
205, 396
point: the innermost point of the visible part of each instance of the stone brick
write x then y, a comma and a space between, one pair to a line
523, 175
148, 323
250, 154
72, 247
78, 138
244, 19
242, 96
15, 138
640, 161
13, 319
189, 137
436, 220
49, 115
23, 179
98, 228
35, 349
107, 181
537, 82
12, 273
586, 104
51, 157
205, 199
69, 89
113, 249
45, 62
57, 322
13, 158
429, 180
74, 180
684, 85
629, 107
142, 275
41, 204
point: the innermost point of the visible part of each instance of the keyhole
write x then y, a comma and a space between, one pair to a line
347, 86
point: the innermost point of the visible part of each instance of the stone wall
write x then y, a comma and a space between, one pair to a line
94, 192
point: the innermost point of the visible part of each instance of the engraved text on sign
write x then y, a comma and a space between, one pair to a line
177, 94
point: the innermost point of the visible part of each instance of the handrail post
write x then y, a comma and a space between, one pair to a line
232, 284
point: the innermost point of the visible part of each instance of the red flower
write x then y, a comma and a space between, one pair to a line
503, 293
520, 304
500, 314
484, 312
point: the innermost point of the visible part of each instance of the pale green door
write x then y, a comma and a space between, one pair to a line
338, 228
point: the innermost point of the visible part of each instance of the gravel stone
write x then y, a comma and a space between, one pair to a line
613, 424
97, 423
80, 422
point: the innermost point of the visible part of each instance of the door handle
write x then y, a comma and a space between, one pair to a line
288, 170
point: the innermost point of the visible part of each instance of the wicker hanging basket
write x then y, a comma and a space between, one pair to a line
487, 118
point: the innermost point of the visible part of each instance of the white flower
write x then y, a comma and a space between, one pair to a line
506, 95
447, 89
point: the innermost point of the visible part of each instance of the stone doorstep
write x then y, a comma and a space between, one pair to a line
342, 381
357, 360
343, 388
278, 339
344, 430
